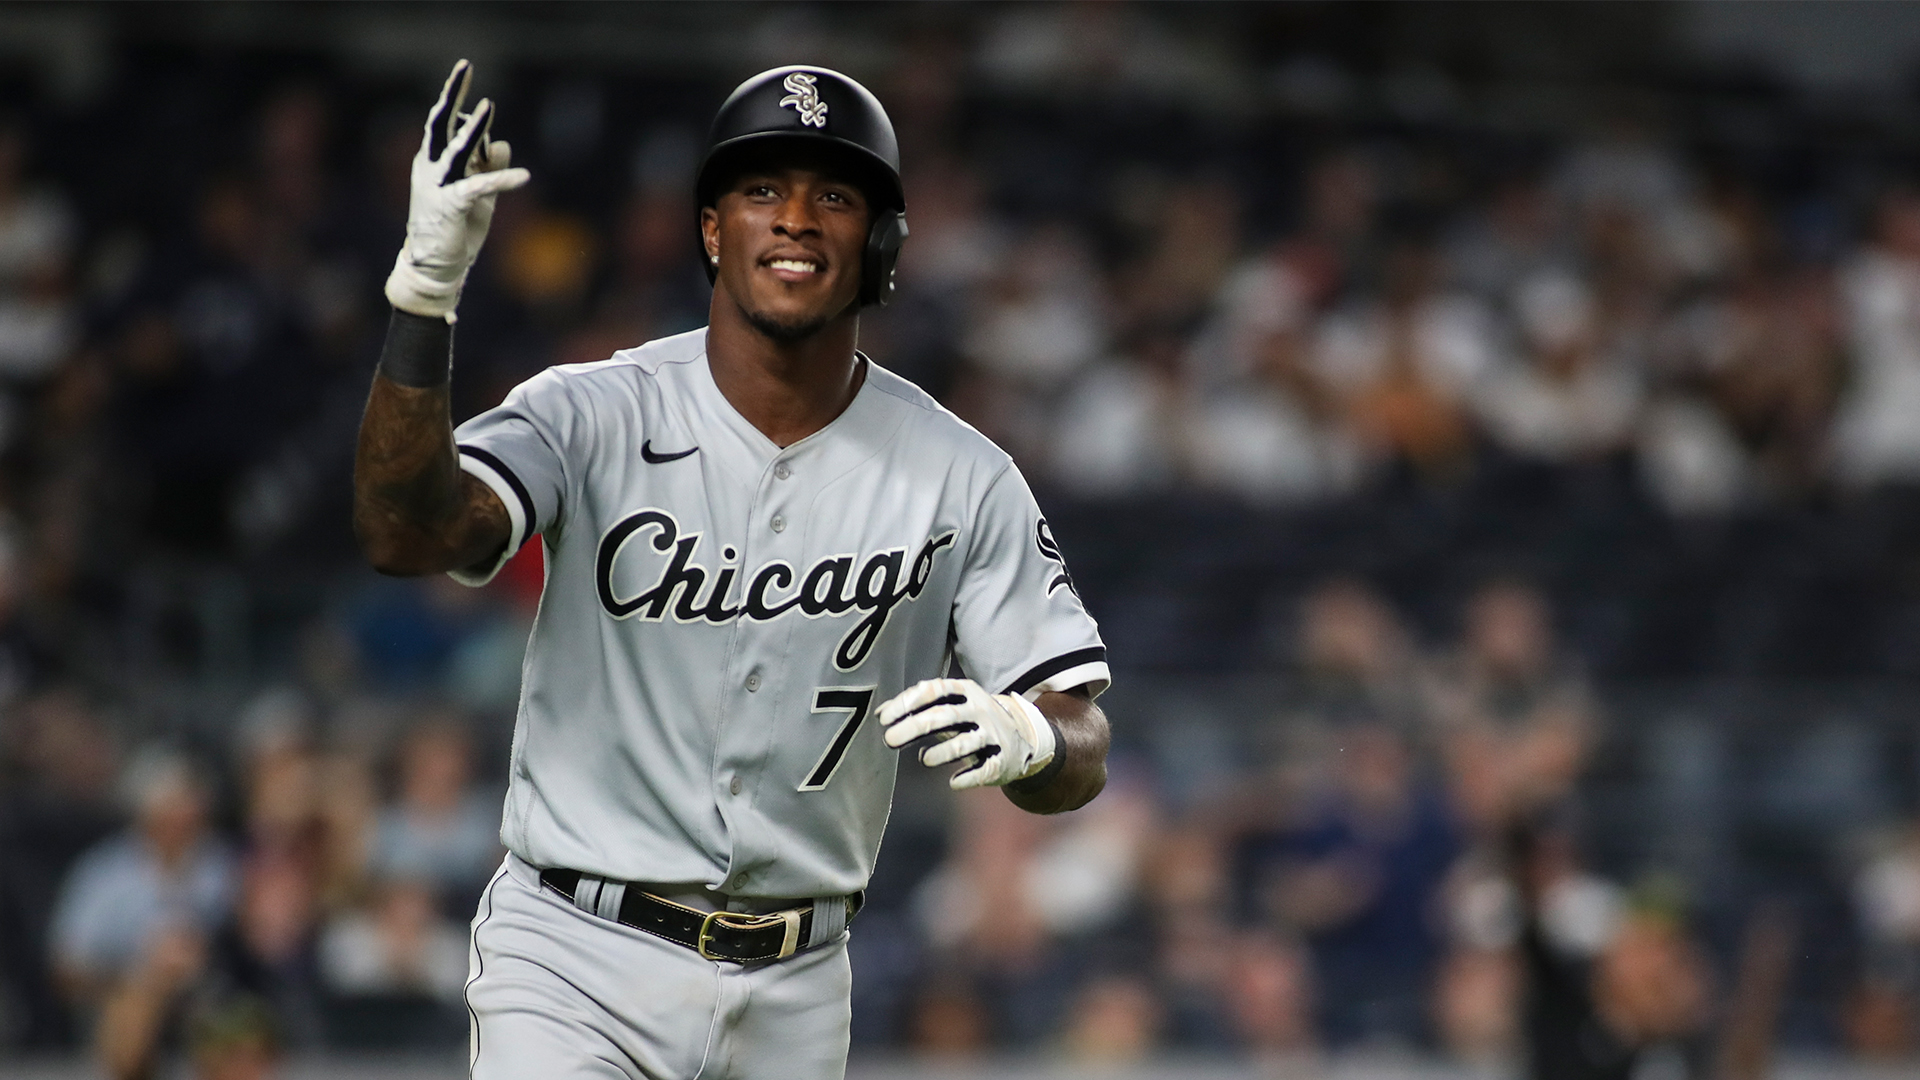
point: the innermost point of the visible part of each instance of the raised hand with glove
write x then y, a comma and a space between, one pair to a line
458, 172
415, 510
1003, 737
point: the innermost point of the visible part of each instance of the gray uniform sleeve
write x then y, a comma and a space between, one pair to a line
1019, 626
519, 449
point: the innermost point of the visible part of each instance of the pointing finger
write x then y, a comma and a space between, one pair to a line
440, 120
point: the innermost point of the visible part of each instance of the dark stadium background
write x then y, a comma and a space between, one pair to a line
1478, 428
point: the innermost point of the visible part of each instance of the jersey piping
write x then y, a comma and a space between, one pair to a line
1091, 658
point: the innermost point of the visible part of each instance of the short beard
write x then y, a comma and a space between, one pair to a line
785, 331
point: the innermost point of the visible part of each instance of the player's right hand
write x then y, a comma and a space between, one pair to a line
457, 173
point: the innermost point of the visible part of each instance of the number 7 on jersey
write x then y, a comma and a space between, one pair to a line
852, 700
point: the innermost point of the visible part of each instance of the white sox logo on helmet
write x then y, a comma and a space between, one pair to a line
805, 99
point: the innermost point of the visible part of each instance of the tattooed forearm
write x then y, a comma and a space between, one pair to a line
414, 510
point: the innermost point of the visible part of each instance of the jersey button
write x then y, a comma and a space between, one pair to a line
739, 881
735, 786
781, 472
779, 523
753, 686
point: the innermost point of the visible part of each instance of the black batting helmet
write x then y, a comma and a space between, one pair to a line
816, 107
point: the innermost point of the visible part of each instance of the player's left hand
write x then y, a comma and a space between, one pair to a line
1005, 734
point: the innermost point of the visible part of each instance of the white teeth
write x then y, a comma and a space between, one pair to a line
795, 265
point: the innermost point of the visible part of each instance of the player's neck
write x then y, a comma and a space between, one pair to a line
786, 389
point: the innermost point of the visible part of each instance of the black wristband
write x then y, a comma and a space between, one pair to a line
418, 350
1041, 779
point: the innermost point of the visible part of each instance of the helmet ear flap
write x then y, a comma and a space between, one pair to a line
884, 239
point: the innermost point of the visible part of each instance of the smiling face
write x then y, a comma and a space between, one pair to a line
790, 237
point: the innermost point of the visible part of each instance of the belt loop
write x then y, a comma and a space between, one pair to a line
611, 894
829, 918
586, 893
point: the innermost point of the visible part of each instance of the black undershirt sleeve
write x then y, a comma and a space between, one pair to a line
418, 351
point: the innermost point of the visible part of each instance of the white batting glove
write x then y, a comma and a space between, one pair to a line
457, 173
1004, 733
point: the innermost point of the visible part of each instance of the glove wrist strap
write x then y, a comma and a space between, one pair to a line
1038, 781
418, 293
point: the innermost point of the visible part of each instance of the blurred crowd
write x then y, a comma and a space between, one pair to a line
248, 790
1392, 864
294, 893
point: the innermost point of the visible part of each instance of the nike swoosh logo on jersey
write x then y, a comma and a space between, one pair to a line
651, 458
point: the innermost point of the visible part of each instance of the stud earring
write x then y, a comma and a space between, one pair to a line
714, 259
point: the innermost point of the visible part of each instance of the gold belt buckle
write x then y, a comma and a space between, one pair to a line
789, 920
706, 935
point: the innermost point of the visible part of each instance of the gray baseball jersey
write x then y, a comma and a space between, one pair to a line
721, 615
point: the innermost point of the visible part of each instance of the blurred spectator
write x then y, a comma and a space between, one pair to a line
56, 802
218, 366
1222, 987
303, 803
1122, 428
1040, 318
1408, 364
1023, 910
399, 944
1193, 241
1515, 715
1115, 1019
1358, 873
1477, 994
1566, 398
1603, 982
1276, 435
1336, 246
440, 829
1355, 667
1777, 371
38, 240
1518, 236
1357, 662
268, 950
1876, 434
165, 879
1883, 1015
1028, 330
1625, 179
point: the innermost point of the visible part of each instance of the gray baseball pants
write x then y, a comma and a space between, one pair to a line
555, 992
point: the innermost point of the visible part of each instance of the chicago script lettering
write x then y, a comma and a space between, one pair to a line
829, 588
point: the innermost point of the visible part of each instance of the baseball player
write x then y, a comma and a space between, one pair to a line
763, 552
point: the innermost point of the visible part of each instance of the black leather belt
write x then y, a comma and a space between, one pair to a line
715, 935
